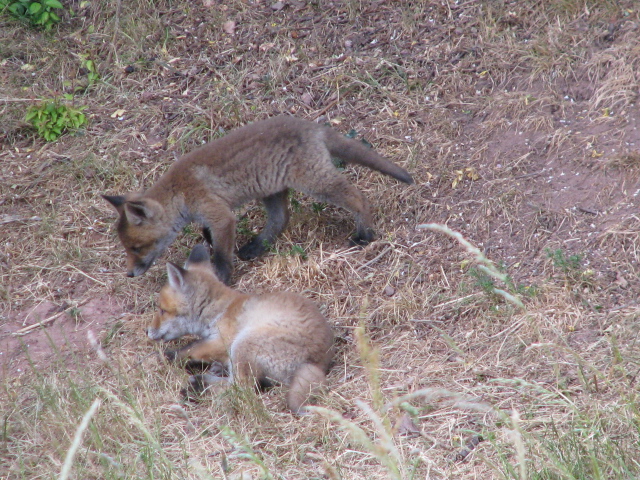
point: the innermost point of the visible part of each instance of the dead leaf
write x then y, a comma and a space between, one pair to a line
621, 281
307, 99
118, 113
471, 444
265, 47
405, 426
229, 27
276, 7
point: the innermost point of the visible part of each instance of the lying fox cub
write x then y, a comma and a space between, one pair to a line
259, 161
276, 337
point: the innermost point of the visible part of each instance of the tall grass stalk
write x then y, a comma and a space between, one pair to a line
77, 439
484, 264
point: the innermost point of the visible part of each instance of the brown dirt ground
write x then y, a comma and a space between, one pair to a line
543, 148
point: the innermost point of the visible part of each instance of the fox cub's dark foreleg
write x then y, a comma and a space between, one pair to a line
199, 383
277, 219
221, 235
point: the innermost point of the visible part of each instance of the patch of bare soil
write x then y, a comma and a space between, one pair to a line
578, 196
31, 337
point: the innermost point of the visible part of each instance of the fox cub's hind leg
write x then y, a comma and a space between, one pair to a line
277, 219
342, 194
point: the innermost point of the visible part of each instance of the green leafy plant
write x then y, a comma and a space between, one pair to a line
39, 13
318, 207
295, 250
92, 70
243, 227
52, 118
568, 264
293, 201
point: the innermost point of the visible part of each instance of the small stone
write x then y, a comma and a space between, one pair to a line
389, 291
229, 27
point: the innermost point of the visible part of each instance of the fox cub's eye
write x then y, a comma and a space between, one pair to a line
162, 311
136, 250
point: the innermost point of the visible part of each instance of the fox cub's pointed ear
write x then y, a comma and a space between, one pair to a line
199, 254
176, 276
116, 201
138, 212
199, 259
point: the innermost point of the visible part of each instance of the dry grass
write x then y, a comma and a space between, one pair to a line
533, 97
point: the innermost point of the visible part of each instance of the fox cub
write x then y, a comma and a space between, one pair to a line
259, 161
276, 337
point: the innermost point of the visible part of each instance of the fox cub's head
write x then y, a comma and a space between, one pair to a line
186, 304
143, 230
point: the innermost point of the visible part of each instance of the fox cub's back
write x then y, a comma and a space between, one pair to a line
287, 330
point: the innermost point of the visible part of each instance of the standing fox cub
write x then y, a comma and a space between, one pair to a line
277, 337
259, 161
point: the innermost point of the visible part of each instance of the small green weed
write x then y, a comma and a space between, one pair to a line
243, 227
37, 13
292, 252
484, 281
298, 250
571, 267
318, 207
190, 231
91, 68
76, 314
490, 272
295, 203
52, 118
560, 260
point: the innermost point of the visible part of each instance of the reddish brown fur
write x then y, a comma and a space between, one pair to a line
279, 337
261, 160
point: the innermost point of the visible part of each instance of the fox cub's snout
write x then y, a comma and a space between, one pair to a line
142, 229
279, 336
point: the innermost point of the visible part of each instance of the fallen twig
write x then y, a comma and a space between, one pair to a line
25, 330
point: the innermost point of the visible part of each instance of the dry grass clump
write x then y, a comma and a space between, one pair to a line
502, 111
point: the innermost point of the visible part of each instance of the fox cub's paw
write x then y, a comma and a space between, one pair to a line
218, 369
194, 388
215, 368
252, 249
199, 383
194, 367
362, 240
171, 355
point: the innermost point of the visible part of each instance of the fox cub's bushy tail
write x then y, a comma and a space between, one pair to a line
352, 151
